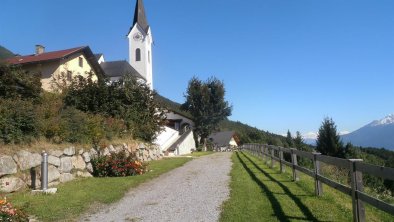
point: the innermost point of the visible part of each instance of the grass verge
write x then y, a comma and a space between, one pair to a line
259, 193
76, 197
198, 154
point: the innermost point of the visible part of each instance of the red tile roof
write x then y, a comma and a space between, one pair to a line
44, 57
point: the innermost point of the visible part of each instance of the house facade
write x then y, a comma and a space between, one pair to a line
58, 66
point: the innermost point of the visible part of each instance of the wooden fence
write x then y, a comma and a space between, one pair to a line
355, 166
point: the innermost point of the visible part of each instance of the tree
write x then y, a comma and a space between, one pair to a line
298, 141
205, 101
328, 140
289, 139
18, 84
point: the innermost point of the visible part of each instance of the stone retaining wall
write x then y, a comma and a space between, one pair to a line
23, 169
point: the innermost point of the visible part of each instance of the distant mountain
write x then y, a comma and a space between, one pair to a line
379, 133
5, 53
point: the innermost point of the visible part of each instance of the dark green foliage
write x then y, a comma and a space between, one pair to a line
289, 140
173, 106
117, 165
248, 134
16, 83
128, 100
328, 141
5, 53
205, 101
17, 121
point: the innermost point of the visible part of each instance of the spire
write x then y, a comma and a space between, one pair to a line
140, 17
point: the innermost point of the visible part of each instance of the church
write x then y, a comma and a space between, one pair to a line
140, 51
177, 137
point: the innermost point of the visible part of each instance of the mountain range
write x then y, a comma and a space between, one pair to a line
378, 133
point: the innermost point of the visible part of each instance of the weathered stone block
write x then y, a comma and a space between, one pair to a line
78, 162
66, 164
86, 157
7, 165
56, 153
89, 167
11, 184
53, 174
84, 174
27, 160
65, 177
53, 160
69, 151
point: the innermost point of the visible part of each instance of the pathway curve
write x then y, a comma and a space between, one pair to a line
193, 192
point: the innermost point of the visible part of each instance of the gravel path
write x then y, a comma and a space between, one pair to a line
193, 192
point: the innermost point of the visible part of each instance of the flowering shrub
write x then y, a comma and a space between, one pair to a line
117, 165
10, 213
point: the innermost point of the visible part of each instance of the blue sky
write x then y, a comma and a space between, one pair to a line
285, 64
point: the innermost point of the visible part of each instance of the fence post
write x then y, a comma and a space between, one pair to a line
356, 178
318, 185
272, 157
282, 169
294, 163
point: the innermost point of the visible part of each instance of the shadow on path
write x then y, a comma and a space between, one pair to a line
275, 203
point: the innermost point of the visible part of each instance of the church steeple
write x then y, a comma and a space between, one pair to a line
140, 17
140, 44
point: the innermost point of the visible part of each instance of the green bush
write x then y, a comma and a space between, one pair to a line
117, 165
17, 121
16, 83
127, 100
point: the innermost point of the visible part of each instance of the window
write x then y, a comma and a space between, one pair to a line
69, 76
138, 54
80, 62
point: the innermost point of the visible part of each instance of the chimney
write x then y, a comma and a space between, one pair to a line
40, 49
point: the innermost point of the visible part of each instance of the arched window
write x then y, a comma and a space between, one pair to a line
138, 54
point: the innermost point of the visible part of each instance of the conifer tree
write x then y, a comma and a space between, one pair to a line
289, 139
298, 141
328, 141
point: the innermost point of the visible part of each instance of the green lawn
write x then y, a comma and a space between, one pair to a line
74, 198
259, 193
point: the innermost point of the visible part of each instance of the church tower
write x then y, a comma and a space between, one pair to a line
140, 44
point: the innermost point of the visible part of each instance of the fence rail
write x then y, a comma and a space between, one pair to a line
356, 167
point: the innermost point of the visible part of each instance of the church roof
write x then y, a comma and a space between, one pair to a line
140, 17
119, 68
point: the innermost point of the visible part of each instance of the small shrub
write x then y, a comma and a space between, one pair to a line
17, 121
10, 213
117, 165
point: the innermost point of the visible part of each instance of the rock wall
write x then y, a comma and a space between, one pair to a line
23, 170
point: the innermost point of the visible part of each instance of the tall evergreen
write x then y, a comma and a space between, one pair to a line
298, 141
289, 139
328, 140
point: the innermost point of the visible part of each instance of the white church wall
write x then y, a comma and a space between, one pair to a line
166, 138
186, 146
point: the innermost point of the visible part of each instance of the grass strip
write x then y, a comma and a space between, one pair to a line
259, 193
74, 198
198, 154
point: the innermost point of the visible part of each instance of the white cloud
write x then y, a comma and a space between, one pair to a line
344, 132
310, 135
